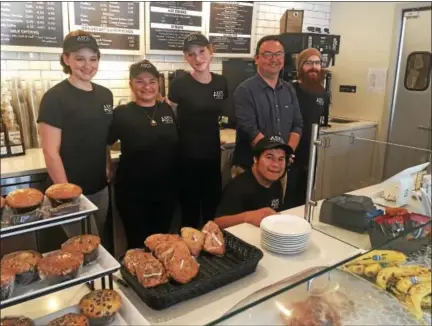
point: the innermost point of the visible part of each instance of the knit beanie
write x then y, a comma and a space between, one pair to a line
306, 54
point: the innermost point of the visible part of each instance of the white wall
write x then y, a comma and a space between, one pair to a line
114, 69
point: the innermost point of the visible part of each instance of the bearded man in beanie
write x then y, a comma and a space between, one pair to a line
314, 102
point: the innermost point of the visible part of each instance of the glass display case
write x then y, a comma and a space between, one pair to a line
379, 287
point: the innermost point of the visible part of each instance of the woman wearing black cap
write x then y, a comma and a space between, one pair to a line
74, 121
146, 179
198, 98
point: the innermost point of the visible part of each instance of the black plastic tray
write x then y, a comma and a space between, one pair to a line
240, 259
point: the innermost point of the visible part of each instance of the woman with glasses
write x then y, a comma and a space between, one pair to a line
198, 98
146, 178
314, 102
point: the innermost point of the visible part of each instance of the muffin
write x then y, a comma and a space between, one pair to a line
100, 306
63, 193
7, 283
70, 320
60, 266
24, 200
24, 264
16, 321
86, 244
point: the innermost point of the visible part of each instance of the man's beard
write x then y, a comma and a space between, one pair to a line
311, 84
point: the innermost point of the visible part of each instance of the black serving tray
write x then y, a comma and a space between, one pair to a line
240, 259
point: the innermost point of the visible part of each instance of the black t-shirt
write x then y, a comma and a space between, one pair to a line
84, 118
148, 153
244, 193
198, 111
312, 107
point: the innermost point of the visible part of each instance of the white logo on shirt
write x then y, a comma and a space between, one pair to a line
108, 108
167, 119
320, 101
218, 95
275, 203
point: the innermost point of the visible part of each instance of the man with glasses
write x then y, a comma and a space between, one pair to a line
314, 102
265, 105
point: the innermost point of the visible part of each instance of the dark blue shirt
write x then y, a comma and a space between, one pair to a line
260, 108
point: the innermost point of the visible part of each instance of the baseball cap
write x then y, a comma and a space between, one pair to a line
270, 143
195, 39
77, 42
142, 66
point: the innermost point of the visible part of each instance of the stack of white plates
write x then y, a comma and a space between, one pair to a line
285, 234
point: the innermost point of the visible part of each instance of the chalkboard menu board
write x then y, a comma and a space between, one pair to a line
169, 22
33, 26
230, 28
117, 26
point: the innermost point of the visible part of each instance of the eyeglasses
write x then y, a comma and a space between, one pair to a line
268, 55
313, 63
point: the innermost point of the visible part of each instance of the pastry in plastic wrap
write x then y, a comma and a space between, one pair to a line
24, 264
165, 250
7, 283
70, 320
24, 200
87, 244
151, 273
182, 267
152, 241
62, 193
214, 242
16, 321
100, 306
134, 257
194, 239
60, 266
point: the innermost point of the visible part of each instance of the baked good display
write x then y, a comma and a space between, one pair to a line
182, 267
151, 273
194, 239
100, 306
16, 321
24, 200
60, 266
7, 283
87, 244
134, 257
61, 193
153, 240
70, 319
214, 242
24, 264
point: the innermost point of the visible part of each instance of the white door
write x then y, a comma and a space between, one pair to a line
410, 124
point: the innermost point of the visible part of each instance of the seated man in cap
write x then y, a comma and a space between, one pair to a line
256, 193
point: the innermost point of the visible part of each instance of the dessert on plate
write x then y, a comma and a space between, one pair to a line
24, 264
24, 200
100, 306
70, 319
62, 193
60, 266
87, 244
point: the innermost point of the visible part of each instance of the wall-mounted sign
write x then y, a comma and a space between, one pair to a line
169, 22
231, 28
38, 26
117, 26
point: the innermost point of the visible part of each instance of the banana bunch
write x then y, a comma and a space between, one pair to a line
411, 284
372, 263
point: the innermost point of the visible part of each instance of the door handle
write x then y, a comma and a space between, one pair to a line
425, 128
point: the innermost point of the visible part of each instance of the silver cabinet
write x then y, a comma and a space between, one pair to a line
345, 163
